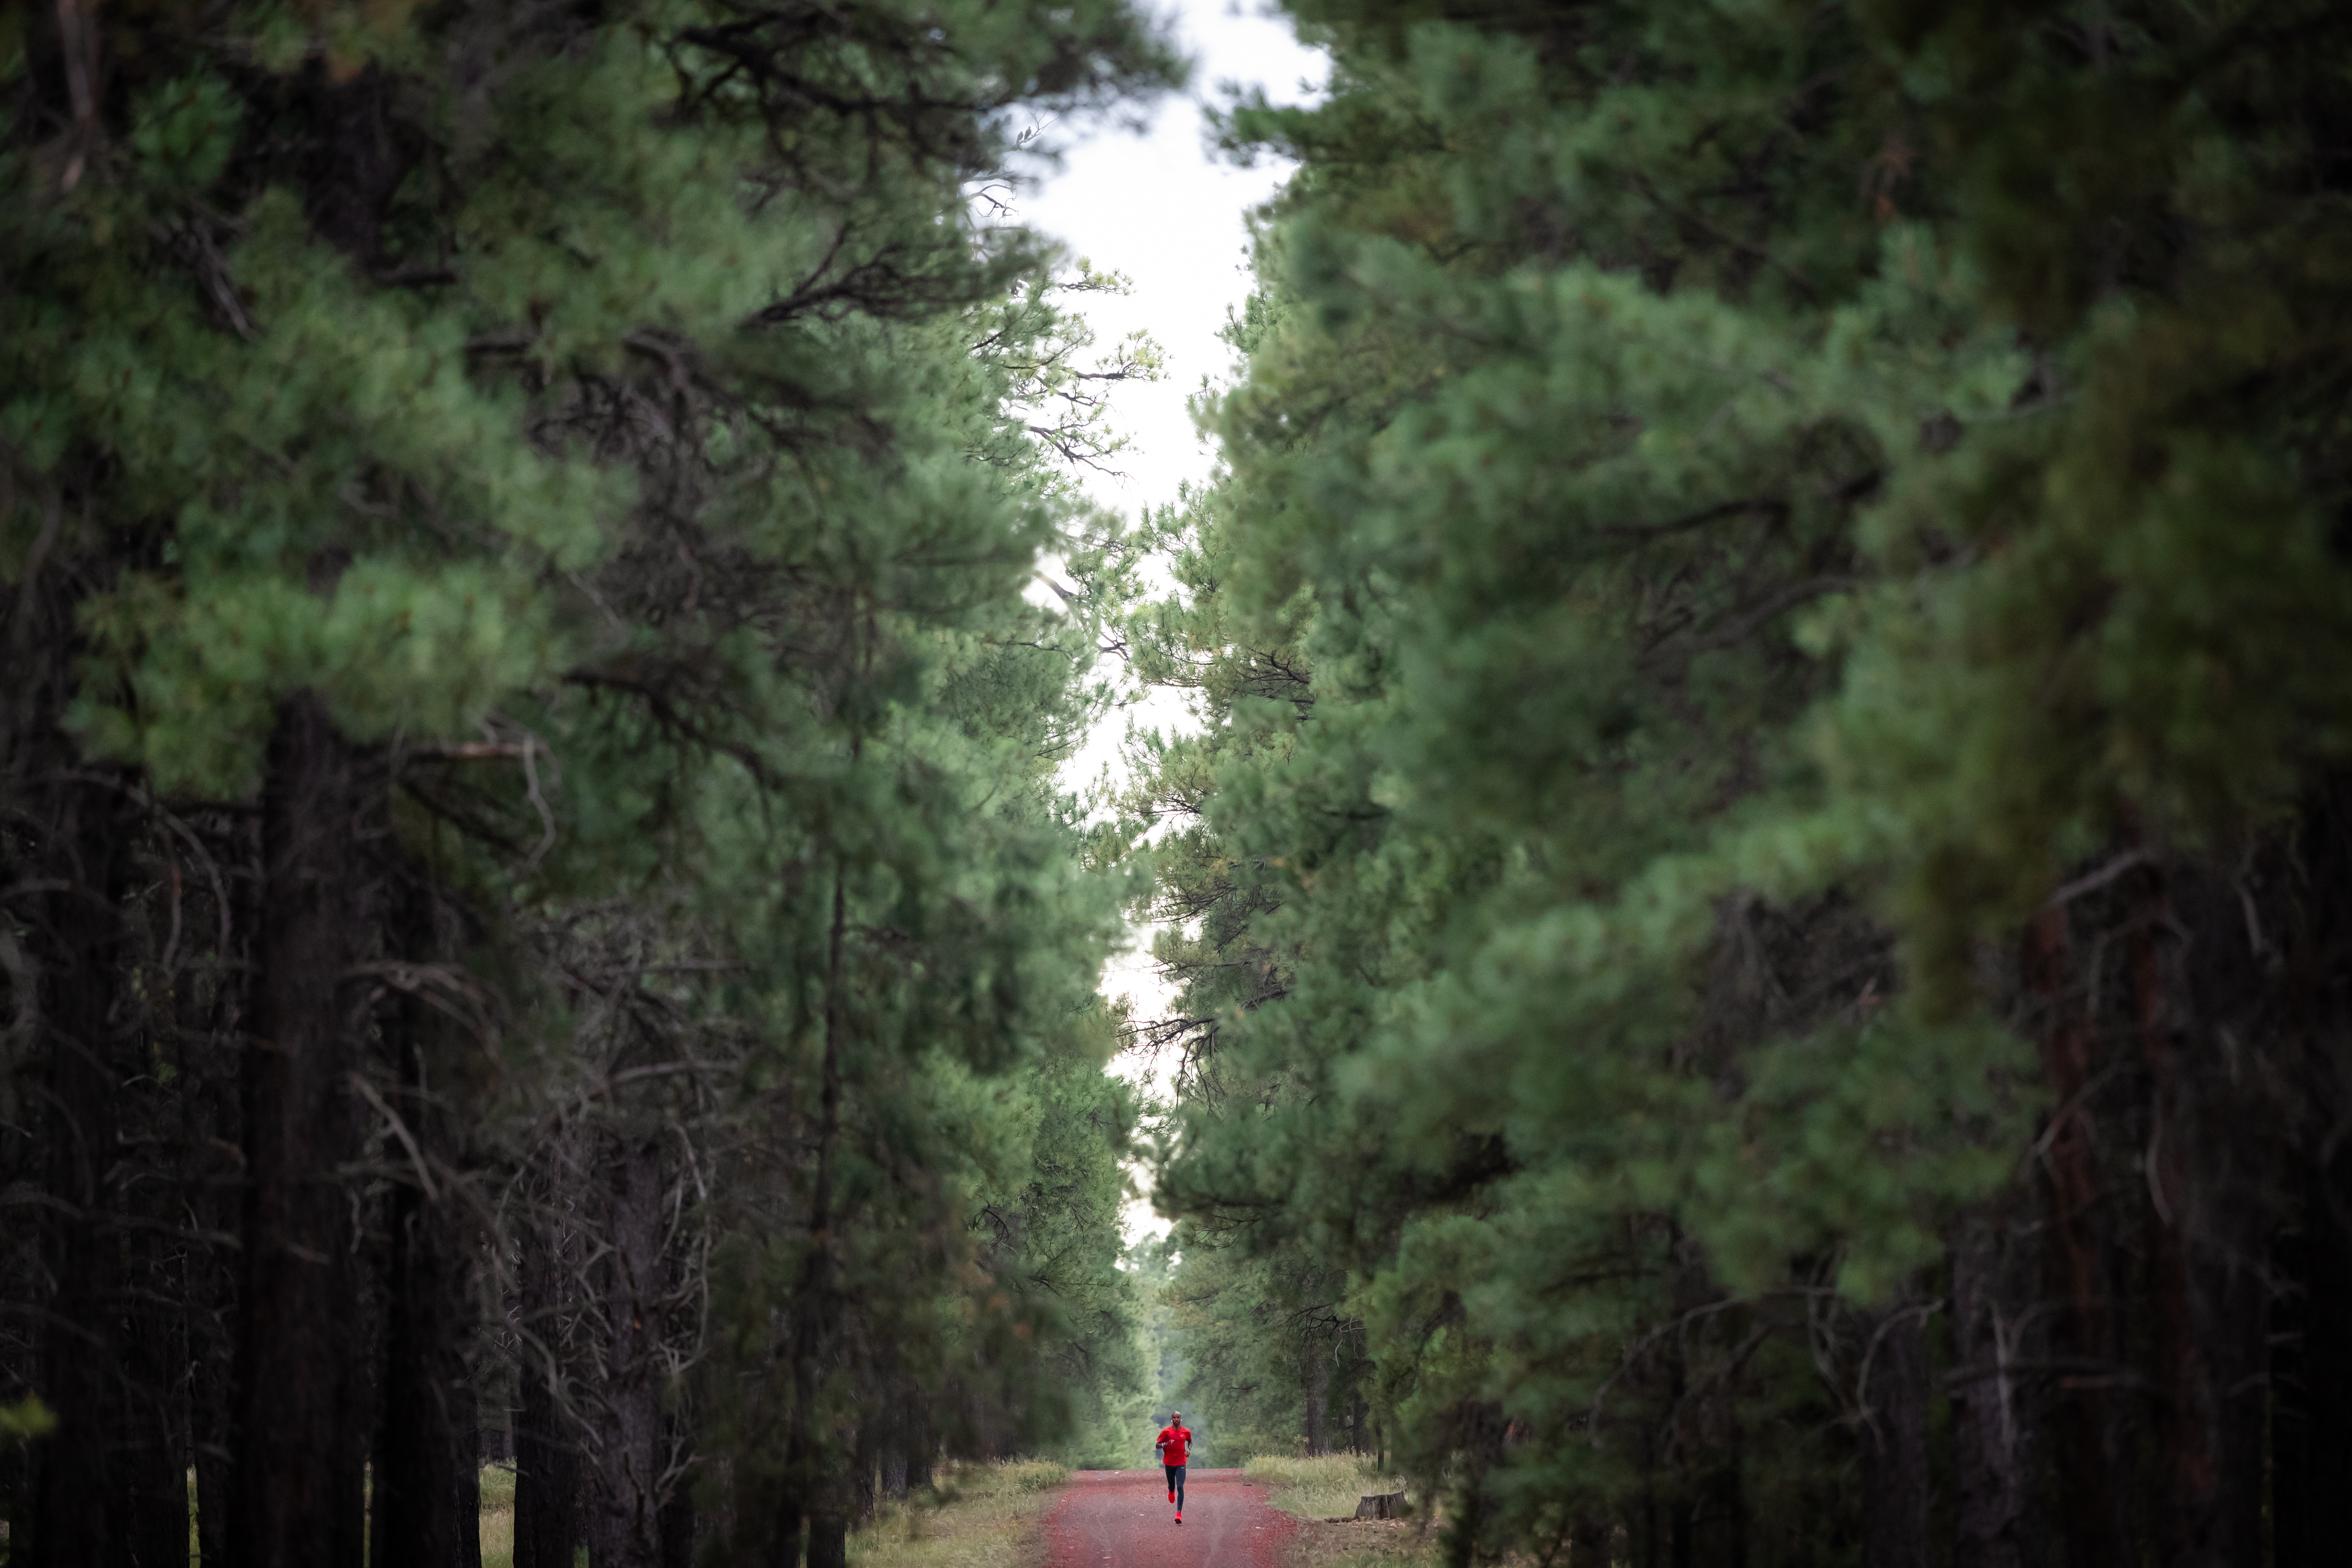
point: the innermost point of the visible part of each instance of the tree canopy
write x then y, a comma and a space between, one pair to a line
1754, 906
536, 896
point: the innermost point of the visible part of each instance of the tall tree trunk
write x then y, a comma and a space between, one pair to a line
623, 1448
1997, 1412
816, 1466
863, 1460
2208, 1184
828, 1541
678, 1518
297, 1498
920, 1444
547, 1475
784, 1530
214, 1122
427, 1493
2311, 1433
153, 1451
2085, 1438
2311, 1436
1732, 1489
894, 1436
1359, 1440
546, 1435
1895, 1478
80, 1513
1318, 1384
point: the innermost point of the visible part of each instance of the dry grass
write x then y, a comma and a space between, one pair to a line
498, 1516
978, 1516
1321, 1491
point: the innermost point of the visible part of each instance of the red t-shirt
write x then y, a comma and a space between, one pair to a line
1175, 1438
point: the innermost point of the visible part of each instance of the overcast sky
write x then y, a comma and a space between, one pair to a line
1164, 210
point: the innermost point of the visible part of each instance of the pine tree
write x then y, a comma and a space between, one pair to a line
514, 524
1774, 651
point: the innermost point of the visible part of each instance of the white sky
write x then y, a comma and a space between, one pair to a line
1166, 211
1168, 214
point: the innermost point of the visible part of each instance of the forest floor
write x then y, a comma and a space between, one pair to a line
1323, 1494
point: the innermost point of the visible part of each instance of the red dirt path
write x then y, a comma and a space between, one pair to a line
1120, 1519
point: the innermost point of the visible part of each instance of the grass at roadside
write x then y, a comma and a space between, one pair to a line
498, 1516
1318, 1491
979, 1516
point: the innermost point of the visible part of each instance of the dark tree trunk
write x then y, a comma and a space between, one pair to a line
2311, 1433
678, 1520
2311, 1438
427, 1493
828, 1541
1680, 1535
154, 1449
623, 1450
1893, 1437
2083, 1435
1731, 1487
863, 1460
920, 1444
81, 1513
216, 1202
784, 1531
1318, 1385
816, 1458
297, 1498
1358, 1439
547, 1475
894, 1453
1997, 1412
546, 1438
2208, 1182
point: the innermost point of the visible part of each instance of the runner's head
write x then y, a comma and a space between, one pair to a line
1175, 1419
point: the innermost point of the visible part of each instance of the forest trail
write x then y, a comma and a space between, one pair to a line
1120, 1519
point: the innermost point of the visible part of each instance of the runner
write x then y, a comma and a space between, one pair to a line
1173, 1442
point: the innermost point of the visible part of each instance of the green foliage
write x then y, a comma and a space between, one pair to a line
623, 426
1669, 621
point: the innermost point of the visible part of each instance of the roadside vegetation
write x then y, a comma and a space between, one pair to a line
1323, 1491
975, 1516
1323, 1487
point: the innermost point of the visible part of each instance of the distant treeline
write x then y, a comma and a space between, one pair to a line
1764, 915
533, 899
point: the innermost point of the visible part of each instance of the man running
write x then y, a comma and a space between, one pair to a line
1173, 1443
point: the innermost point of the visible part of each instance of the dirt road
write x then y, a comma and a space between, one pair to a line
1120, 1519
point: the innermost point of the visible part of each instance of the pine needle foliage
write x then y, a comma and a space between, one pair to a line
1774, 645
523, 734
